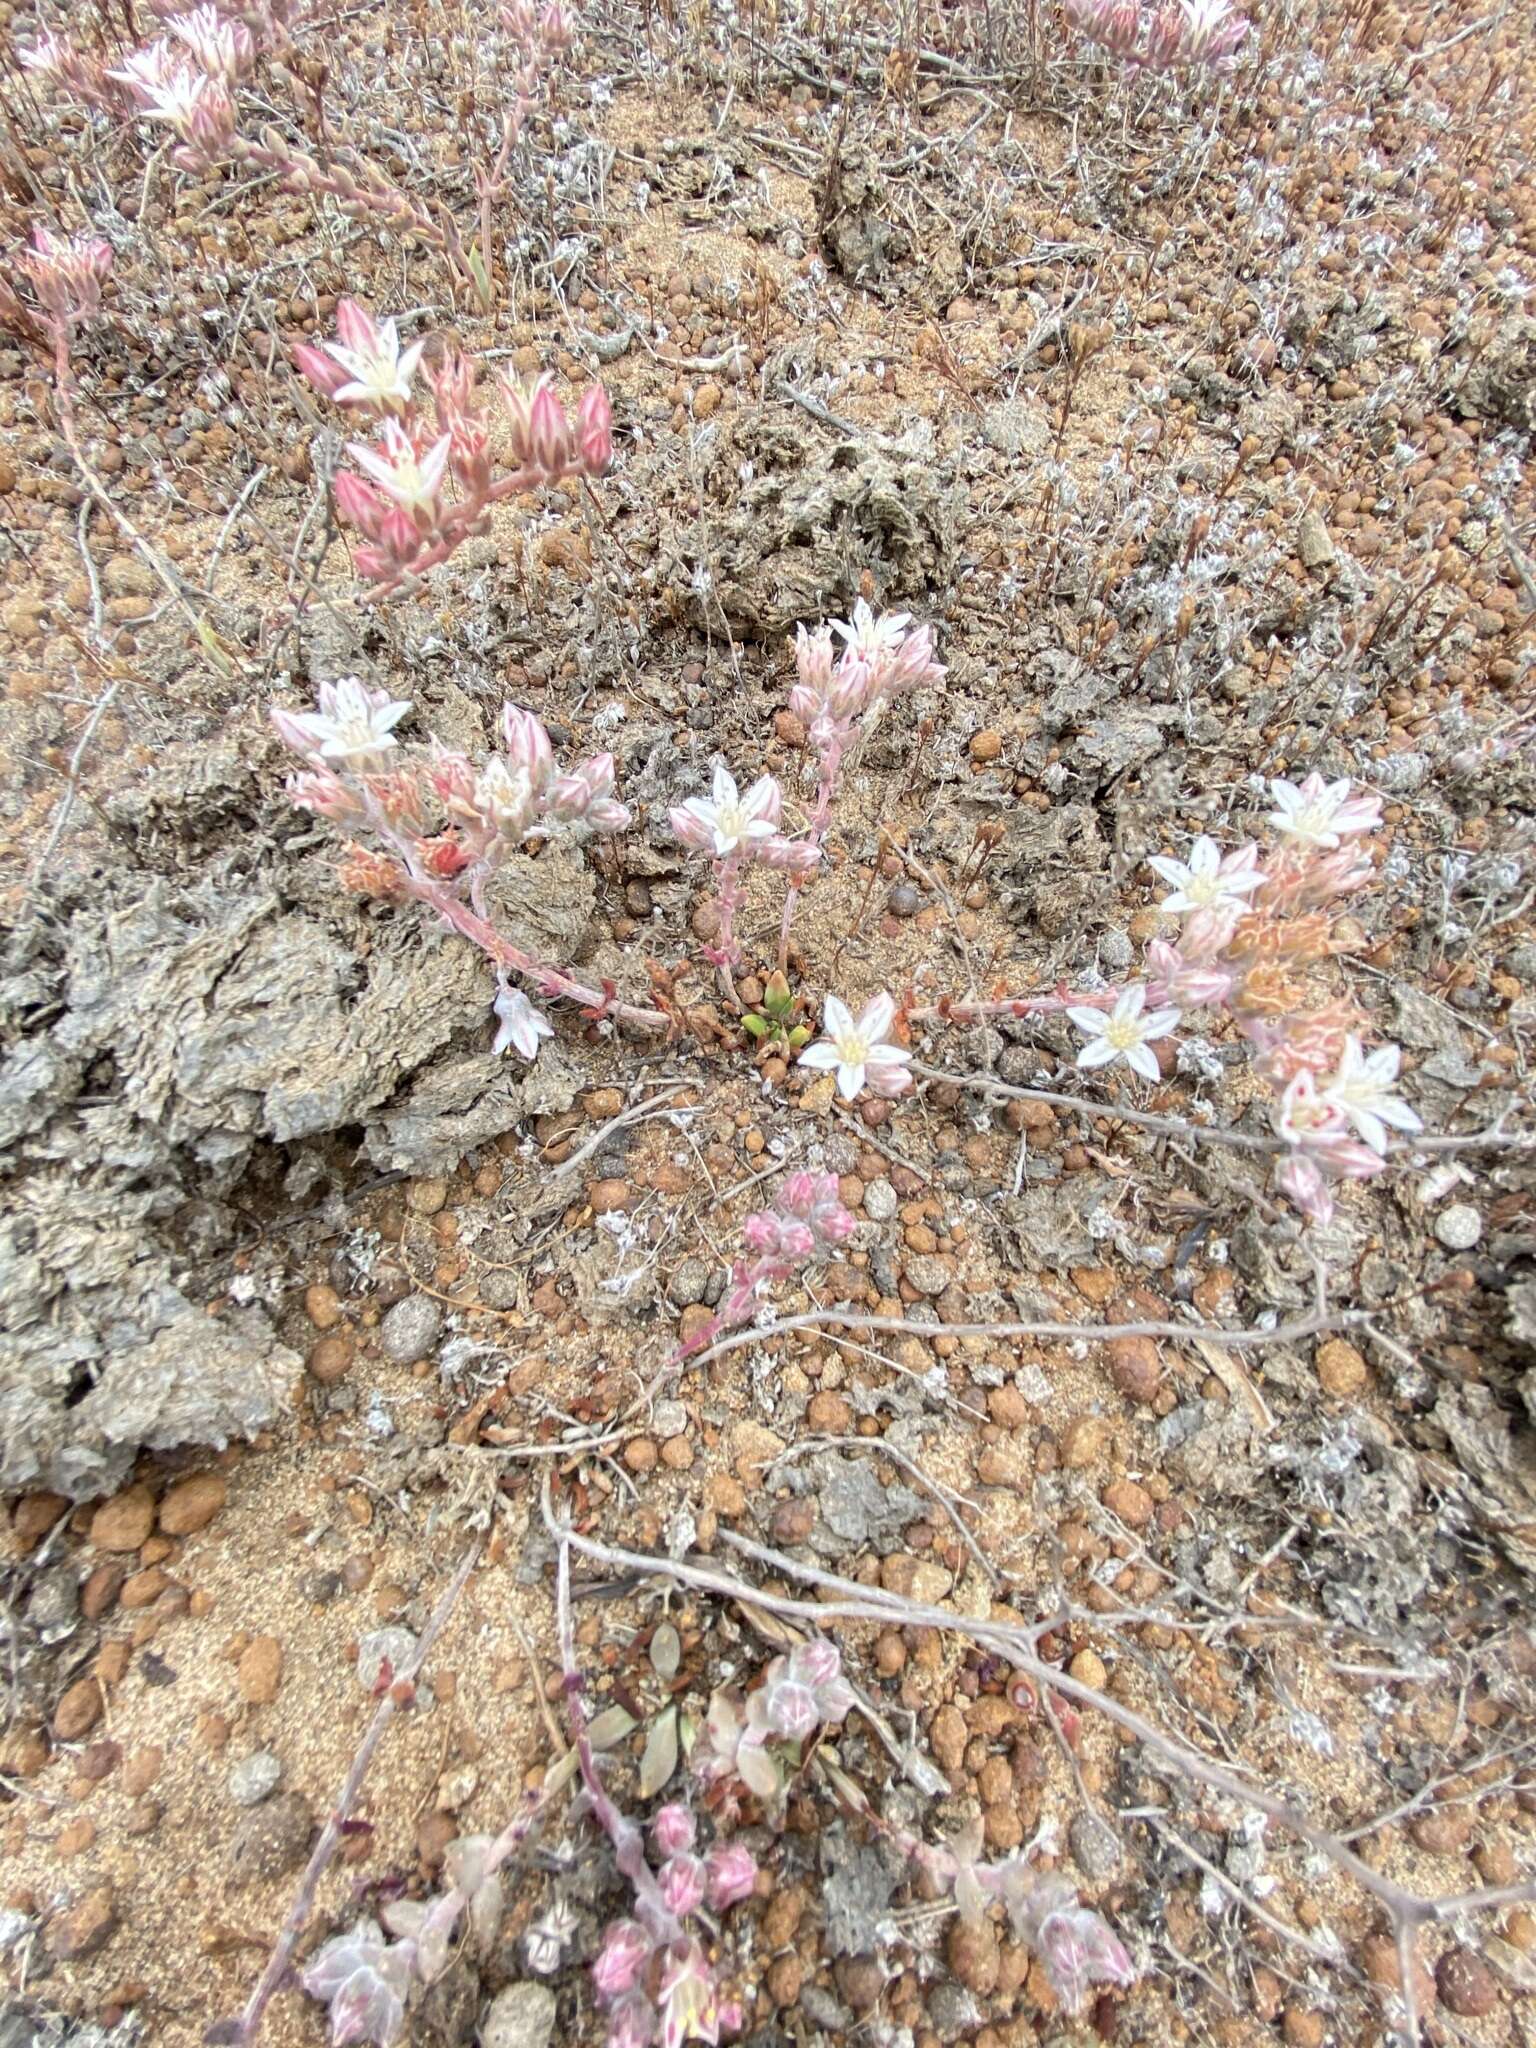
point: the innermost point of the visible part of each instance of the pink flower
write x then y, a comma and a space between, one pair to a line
790, 1709
732, 1874
619, 1962
672, 1830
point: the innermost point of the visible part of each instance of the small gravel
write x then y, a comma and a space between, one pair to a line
522, 2016
254, 1778
396, 1646
688, 1283
410, 1329
1459, 1227
879, 1201
1095, 1849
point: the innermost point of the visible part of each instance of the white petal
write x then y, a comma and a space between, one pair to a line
759, 799
850, 1079
1091, 1021
887, 1056
1144, 1060
1128, 1009
1204, 856
1398, 1114
725, 785
877, 1016
836, 1017
1160, 1023
822, 1054
1097, 1053
1178, 902
1170, 869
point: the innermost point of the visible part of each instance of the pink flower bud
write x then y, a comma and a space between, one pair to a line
549, 434
527, 744
604, 814
594, 430
835, 1226
318, 369
813, 660
672, 1830
623, 1956
732, 1874
356, 328
816, 1662
360, 504
796, 1240
791, 1709
761, 1231
690, 830
800, 1193
804, 702
632, 2024
682, 1881
795, 857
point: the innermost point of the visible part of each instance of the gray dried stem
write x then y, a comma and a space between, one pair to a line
846, 1600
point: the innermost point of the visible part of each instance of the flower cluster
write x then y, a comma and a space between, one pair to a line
761, 1740
187, 80
444, 825
400, 503
1248, 936
66, 273
1166, 37
806, 1222
651, 1975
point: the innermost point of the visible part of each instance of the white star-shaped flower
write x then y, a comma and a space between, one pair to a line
1322, 813
859, 1049
1124, 1033
1361, 1090
520, 1025
354, 724
380, 371
871, 638
726, 821
412, 480
1208, 878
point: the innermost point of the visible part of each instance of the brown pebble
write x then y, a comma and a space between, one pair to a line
1082, 1440
101, 1589
322, 1304
35, 1515
986, 746
191, 1504
785, 1976
608, 1197
829, 1414
143, 1817
1466, 1984
1087, 1667
1341, 1370
87, 1926
261, 1670
99, 1761
1134, 1367
142, 1769
1130, 1501
677, 1453
640, 1454
76, 1836
330, 1358
602, 1104
78, 1711
140, 1589
125, 1521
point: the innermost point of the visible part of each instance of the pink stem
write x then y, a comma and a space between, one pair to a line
550, 981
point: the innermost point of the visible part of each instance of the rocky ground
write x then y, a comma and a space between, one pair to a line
1197, 419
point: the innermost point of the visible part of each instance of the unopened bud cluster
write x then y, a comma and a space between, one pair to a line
1168, 37
651, 1975
66, 273
760, 1739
